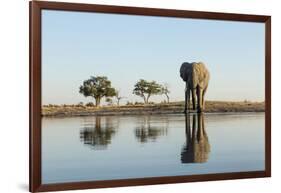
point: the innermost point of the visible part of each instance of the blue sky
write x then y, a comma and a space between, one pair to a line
77, 45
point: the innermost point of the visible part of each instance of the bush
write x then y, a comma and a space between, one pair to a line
80, 104
139, 103
109, 101
129, 103
90, 104
52, 105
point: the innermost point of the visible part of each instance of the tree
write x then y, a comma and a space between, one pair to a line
97, 87
109, 101
165, 90
146, 89
118, 97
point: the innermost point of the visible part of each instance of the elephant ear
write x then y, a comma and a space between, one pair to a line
183, 72
186, 71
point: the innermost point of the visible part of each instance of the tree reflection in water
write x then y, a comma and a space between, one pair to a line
151, 128
97, 132
197, 147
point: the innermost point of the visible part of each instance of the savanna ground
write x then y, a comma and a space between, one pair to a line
158, 108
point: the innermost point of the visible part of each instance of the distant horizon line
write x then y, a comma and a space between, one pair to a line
246, 100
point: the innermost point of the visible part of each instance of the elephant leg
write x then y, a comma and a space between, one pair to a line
199, 99
194, 99
203, 98
187, 99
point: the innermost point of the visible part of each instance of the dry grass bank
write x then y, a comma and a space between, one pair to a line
173, 107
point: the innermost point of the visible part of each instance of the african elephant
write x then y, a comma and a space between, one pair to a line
196, 77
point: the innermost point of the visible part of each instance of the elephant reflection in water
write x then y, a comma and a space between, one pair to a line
97, 134
197, 147
151, 129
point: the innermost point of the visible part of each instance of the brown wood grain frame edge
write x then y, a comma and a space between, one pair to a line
35, 94
35, 97
82, 7
268, 96
150, 181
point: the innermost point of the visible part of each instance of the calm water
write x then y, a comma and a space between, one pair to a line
119, 147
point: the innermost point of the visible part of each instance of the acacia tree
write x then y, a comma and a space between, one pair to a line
165, 90
97, 87
146, 89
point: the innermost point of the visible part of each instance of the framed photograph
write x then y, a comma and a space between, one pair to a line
123, 96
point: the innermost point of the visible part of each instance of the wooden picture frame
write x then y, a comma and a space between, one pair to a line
35, 94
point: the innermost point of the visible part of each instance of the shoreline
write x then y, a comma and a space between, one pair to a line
150, 109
